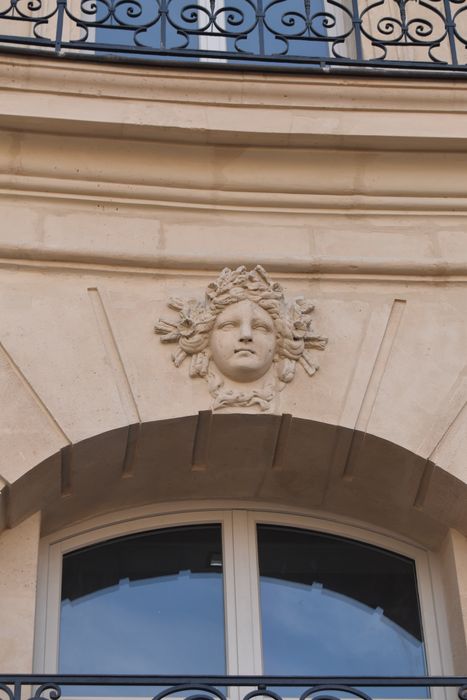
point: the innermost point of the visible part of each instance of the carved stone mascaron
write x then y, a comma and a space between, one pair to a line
244, 338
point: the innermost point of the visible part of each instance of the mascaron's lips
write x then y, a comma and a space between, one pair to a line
251, 352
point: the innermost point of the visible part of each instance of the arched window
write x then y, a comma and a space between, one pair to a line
236, 592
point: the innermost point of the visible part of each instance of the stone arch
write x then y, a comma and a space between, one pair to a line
276, 459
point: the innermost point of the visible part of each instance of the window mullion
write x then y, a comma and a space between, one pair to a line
230, 604
246, 594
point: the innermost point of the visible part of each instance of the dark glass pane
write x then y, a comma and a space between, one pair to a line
149, 603
332, 606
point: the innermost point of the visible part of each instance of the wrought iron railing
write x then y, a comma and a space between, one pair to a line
330, 35
53, 687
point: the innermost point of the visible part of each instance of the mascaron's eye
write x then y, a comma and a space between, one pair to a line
262, 327
226, 326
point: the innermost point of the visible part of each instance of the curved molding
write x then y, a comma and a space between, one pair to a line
289, 461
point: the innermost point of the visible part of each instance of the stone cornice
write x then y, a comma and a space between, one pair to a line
229, 107
307, 153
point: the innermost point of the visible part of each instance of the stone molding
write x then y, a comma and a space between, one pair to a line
339, 269
350, 149
317, 107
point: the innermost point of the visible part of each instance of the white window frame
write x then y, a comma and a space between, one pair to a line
241, 580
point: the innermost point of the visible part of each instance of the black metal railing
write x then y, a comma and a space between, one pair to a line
53, 687
384, 35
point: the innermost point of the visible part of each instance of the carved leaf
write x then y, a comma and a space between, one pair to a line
308, 364
318, 342
176, 304
165, 327
178, 356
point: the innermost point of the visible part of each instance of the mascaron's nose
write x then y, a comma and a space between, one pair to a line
246, 332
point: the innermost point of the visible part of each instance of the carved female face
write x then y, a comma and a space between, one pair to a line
243, 341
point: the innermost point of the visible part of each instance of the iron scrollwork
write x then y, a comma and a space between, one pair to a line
6, 692
325, 692
195, 692
47, 691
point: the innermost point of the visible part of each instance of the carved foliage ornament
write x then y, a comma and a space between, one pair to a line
244, 338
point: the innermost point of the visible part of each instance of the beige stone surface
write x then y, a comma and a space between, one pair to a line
81, 385
177, 101
355, 242
28, 433
452, 447
52, 336
18, 561
453, 555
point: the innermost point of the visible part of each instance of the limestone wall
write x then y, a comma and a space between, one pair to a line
122, 187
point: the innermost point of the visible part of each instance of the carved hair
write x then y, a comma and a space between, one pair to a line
292, 322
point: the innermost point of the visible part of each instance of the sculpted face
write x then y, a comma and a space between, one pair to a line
243, 341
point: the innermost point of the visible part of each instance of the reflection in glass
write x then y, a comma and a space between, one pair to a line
332, 606
149, 603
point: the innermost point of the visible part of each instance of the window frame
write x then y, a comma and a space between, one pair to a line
241, 574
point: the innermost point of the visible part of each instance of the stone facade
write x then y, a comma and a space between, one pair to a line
124, 187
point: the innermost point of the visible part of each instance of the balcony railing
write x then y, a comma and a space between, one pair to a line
53, 687
389, 36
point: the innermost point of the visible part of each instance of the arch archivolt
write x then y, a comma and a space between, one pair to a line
299, 463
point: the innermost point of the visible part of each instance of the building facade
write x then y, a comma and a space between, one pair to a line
127, 186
